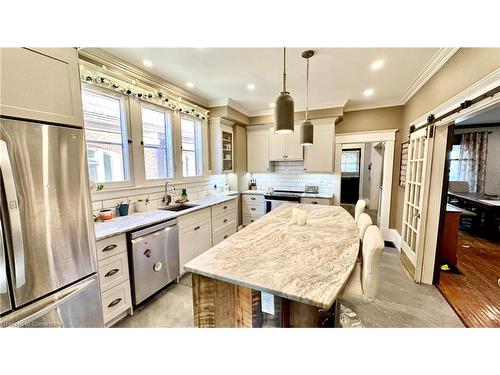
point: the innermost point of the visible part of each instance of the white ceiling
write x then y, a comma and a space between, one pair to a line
489, 117
337, 75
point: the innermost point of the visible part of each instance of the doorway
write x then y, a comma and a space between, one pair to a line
467, 270
374, 156
362, 167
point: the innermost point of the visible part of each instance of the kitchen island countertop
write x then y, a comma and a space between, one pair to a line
308, 264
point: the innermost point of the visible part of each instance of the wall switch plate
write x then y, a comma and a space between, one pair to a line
267, 302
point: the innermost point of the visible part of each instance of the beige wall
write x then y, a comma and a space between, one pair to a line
378, 119
466, 67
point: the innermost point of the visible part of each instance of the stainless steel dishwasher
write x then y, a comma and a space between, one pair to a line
154, 258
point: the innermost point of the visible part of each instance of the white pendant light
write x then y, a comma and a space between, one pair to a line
283, 110
307, 129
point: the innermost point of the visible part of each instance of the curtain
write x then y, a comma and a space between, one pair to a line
473, 152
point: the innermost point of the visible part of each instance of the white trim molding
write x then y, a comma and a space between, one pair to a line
389, 137
437, 61
437, 160
367, 136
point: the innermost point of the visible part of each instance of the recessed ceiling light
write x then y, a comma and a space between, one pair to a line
376, 65
148, 63
368, 92
189, 84
251, 86
272, 105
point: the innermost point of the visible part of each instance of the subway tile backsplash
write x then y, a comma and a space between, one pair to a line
289, 175
155, 195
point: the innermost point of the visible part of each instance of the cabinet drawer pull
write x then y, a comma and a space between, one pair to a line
314, 202
253, 198
109, 247
111, 272
252, 208
224, 221
225, 236
224, 207
115, 302
196, 228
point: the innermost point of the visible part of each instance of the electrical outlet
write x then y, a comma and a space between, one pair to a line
267, 302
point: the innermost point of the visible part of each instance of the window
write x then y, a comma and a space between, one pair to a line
350, 161
106, 134
158, 145
191, 147
456, 163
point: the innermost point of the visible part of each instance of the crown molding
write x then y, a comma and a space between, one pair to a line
230, 103
373, 105
101, 57
326, 105
436, 62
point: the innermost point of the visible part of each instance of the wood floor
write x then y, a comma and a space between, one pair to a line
474, 293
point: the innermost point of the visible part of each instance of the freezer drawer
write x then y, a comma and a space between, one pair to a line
154, 255
76, 306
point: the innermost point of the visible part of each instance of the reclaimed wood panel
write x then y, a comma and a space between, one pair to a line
217, 304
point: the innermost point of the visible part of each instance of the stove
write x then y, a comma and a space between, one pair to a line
277, 197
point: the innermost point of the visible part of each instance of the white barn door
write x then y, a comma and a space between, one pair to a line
416, 198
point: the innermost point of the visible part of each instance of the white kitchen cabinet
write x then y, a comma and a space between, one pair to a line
114, 279
222, 145
319, 157
258, 149
41, 84
283, 147
310, 200
253, 207
195, 235
224, 221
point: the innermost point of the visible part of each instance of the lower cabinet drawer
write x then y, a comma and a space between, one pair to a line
111, 246
253, 208
115, 301
248, 219
222, 220
324, 201
113, 271
224, 233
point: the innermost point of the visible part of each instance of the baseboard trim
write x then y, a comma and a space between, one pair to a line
392, 235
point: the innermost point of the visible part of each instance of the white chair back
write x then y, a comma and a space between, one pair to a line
364, 221
373, 245
359, 209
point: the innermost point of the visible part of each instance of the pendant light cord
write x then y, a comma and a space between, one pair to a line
284, 69
307, 90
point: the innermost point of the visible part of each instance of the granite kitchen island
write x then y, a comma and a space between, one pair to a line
303, 267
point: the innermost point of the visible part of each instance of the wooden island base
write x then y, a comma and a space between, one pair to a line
218, 304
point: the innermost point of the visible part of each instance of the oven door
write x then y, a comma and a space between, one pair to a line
271, 204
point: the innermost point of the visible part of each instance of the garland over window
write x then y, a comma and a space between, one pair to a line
94, 75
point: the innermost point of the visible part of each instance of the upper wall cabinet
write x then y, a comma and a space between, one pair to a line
285, 146
221, 145
319, 157
41, 84
258, 149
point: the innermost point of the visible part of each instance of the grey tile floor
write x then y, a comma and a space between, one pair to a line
400, 303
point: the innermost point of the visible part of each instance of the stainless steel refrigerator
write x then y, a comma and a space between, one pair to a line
47, 244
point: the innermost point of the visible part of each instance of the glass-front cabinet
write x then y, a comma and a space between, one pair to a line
222, 145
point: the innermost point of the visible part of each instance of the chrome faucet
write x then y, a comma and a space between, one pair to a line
167, 198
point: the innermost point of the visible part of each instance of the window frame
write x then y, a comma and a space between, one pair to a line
128, 161
153, 107
204, 150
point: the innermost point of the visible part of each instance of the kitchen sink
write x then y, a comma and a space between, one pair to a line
178, 207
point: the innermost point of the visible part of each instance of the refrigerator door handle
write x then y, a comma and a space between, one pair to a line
15, 218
